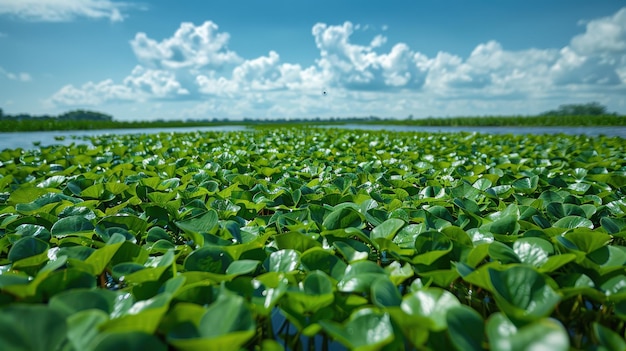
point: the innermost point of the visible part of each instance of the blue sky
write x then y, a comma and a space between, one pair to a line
274, 58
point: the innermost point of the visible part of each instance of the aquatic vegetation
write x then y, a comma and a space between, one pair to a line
290, 238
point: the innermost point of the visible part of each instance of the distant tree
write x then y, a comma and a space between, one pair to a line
78, 115
588, 109
82, 115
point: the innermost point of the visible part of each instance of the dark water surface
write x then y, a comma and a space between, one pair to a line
27, 140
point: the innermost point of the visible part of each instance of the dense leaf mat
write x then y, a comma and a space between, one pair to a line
314, 239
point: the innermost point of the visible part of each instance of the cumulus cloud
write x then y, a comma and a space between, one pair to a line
263, 74
154, 83
21, 76
92, 94
605, 35
141, 85
190, 47
490, 70
597, 56
196, 64
64, 10
360, 67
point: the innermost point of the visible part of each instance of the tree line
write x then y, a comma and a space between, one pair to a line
77, 115
588, 109
589, 114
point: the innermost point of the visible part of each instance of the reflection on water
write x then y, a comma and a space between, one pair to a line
26, 140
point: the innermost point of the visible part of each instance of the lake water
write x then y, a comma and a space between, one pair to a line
619, 131
26, 140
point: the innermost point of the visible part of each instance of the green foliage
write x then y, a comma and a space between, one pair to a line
589, 114
306, 238
588, 109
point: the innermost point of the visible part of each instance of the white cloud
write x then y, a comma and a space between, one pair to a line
490, 70
360, 67
190, 47
262, 74
92, 94
143, 84
64, 10
597, 56
154, 83
605, 35
21, 76
375, 78
3, 35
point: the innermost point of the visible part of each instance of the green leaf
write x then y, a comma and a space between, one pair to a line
503, 253
208, 259
587, 240
27, 247
341, 218
284, 261
387, 229
385, 294
466, 328
226, 324
129, 341
431, 305
316, 293
228, 314
241, 267
72, 225
101, 258
143, 316
522, 293
319, 259
570, 222
613, 225
352, 250
157, 233
543, 334
83, 328
506, 225
125, 221
196, 227
365, 330
608, 338
533, 251
296, 241
36, 231
557, 261
26, 194
31, 328
608, 258
359, 276
63, 280
526, 185
430, 246
76, 300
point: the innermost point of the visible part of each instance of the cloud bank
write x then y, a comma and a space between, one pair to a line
196, 64
64, 10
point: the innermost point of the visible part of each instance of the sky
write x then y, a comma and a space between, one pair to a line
166, 59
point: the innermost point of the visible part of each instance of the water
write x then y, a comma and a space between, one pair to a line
613, 131
26, 140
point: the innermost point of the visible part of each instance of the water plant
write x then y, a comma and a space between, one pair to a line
314, 239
